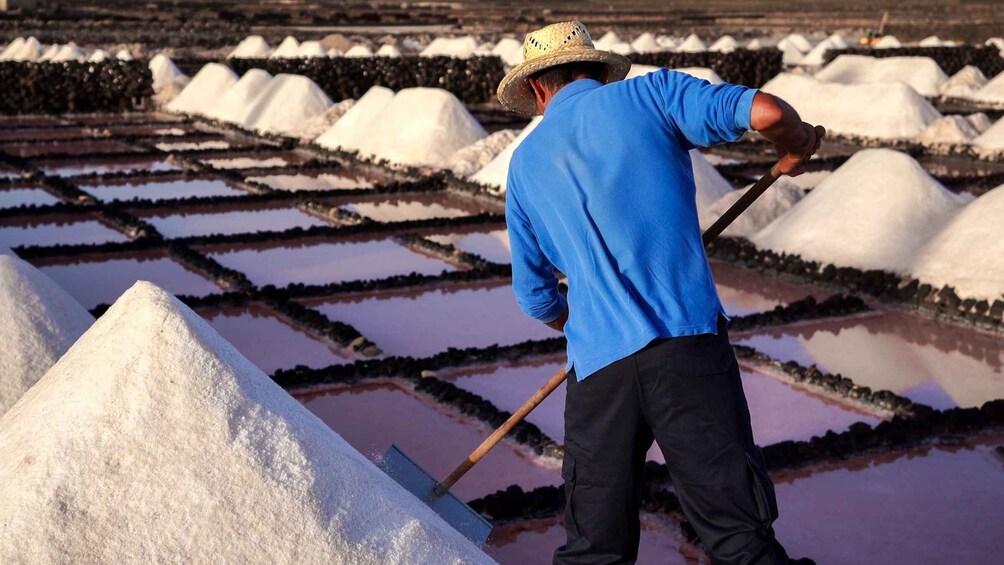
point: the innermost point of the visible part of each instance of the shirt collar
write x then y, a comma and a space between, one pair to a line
571, 89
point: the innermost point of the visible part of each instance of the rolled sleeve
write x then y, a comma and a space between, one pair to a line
705, 114
533, 278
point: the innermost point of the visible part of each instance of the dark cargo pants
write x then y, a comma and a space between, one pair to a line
686, 394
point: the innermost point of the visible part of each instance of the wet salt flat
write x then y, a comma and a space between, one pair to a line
931, 363
14, 197
269, 342
67, 147
72, 168
420, 324
492, 246
102, 280
343, 179
745, 291
57, 231
409, 208
779, 411
373, 416
532, 542
231, 222
329, 262
160, 189
927, 505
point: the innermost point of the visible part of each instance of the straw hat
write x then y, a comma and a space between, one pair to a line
556, 44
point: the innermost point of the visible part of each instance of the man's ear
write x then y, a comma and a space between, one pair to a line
604, 74
539, 92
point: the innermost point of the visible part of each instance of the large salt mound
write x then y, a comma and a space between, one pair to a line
888, 42
204, 90
99, 55
964, 83
921, 73
496, 172
885, 111
164, 72
966, 253
289, 48
461, 47
710, 184
948, 130
992, 93
154, 440
238, 100
874, 212
468, 160
350, 130
252, 47
421, 127
778, 199
311, 49
40, 322
288, 103
993, 138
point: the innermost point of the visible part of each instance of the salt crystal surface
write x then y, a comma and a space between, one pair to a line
468, 160
886, 111
41, 321
310, 49
164, 72
352, 128
874, 212
289, 48
992, 93
980, 121
964, 83
204, 90
322, 122
967, 253
710, 184
288, 103
251, 47
777, 200
12, 48
421, 127
816, 57
992, 139
791, 56
922, 73
496, 172
154, 440
31, 50
948, 129
235, 103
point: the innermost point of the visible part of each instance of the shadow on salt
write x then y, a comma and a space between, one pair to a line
57, 230
168, 189
372, 416
232, 221
935, 364
102, 279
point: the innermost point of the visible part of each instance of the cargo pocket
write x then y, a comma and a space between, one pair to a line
763, 490
568, 475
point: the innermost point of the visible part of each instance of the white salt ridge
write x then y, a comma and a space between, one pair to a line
289, 48
421, 127
692, 44
837, 41
204, 90
621, 48
359, 50
888, 42
964, 83
724, 44
509, 50
154, 440
874, 212
885, 111
496, 172
164, 72
758, 43
966, 253
951, 129
49, 53
288, 103
238, 100
40, 322
646, 43
68, 52
310, 49
607, 40
251, 47
461, 47
922, 73
710, 184
778, 199
471, 159
350, 130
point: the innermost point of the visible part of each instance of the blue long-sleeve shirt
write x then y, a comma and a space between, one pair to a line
603, 190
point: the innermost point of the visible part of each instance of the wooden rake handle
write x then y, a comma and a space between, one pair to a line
713, 232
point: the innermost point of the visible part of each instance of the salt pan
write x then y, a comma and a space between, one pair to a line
204, 90
922, 73
874, 212
350, 130
40, 322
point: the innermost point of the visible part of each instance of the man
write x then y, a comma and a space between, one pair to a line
603, 191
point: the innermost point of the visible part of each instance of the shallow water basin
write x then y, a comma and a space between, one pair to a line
373, 416
57, 230
322, 263
270, 342
193, 145
413, 207
70, 167
745, 291
232, 221
27, 196
42, 148
263, 161
935, 364
101, 280
41, 133
492, 246
160, 189
424, 323
342, 179
109, 120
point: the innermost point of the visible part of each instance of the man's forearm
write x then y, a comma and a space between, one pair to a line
794, 139
558, 324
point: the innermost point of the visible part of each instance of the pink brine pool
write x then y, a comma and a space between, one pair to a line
232, 222
492, 246
161, 190
51, 231
14, 197
745, 291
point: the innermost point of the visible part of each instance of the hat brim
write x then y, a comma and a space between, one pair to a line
514, 91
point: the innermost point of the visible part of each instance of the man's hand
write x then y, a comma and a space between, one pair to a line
794, 140
558, 324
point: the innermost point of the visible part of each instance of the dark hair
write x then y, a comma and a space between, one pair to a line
555, 77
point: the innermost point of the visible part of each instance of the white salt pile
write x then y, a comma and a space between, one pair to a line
323, 122
358, 50
12, 48
124, 55
992, 93
496, 172
837, 41
607, 40
886, 111
289, 48
237, 101
692, 44
310, 49
791, 56
40, 322
421, 127
646, 43
460, 47
778, 199
68, 52
154, 440
98, 55
964, 83
388, 51
922, 73
509, 50
471, 159
49, 53
966, 253
980, 121
251, 47
758, 43
350, 130
874, 212
991, 141
724, 44
288, 103
710, 184
796, 40
948, 130
165, 73
888, 42
30, 50
204, 90
817, 56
